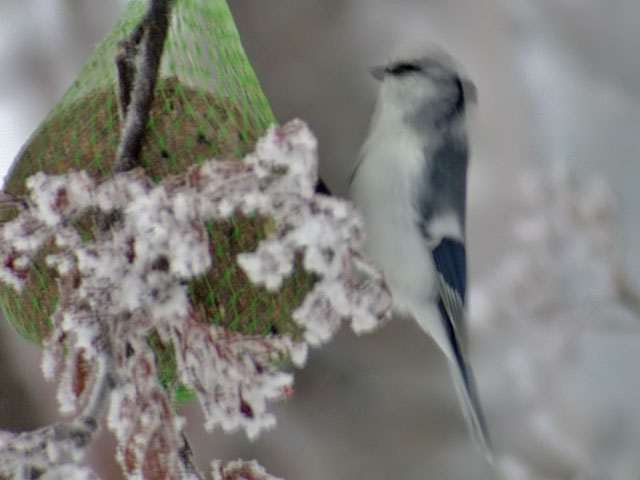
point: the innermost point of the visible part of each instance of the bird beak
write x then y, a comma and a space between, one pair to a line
470, 91
378, 72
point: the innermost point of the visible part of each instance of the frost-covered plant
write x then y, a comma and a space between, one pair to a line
566, 246
562, 281
132, 280
238, 470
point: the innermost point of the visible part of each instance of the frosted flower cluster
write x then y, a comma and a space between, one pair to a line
132, 280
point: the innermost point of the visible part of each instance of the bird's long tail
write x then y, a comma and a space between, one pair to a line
466, 388
467, 391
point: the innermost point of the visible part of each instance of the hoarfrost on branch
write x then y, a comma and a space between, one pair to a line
112, 296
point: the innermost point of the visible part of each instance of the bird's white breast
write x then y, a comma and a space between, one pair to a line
384, 189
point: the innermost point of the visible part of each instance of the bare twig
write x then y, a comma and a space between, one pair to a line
153, 31
126, 63
186, 457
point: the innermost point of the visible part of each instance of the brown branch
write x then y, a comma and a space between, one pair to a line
126, 64
140, 81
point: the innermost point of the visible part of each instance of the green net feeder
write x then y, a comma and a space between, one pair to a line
207, 104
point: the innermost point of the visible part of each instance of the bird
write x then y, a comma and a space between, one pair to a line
409, 184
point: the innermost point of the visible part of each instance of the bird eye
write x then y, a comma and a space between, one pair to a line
402, 68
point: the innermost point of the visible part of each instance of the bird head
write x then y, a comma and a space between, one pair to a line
423, 82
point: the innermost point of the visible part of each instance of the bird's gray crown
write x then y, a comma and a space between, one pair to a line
428, 60
423, 57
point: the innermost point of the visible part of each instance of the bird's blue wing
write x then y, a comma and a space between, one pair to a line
450, 261
450, 258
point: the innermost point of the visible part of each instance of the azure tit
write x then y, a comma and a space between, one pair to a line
410, 186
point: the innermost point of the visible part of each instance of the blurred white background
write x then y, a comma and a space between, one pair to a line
552, 227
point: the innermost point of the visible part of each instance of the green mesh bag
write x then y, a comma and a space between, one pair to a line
208, 103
